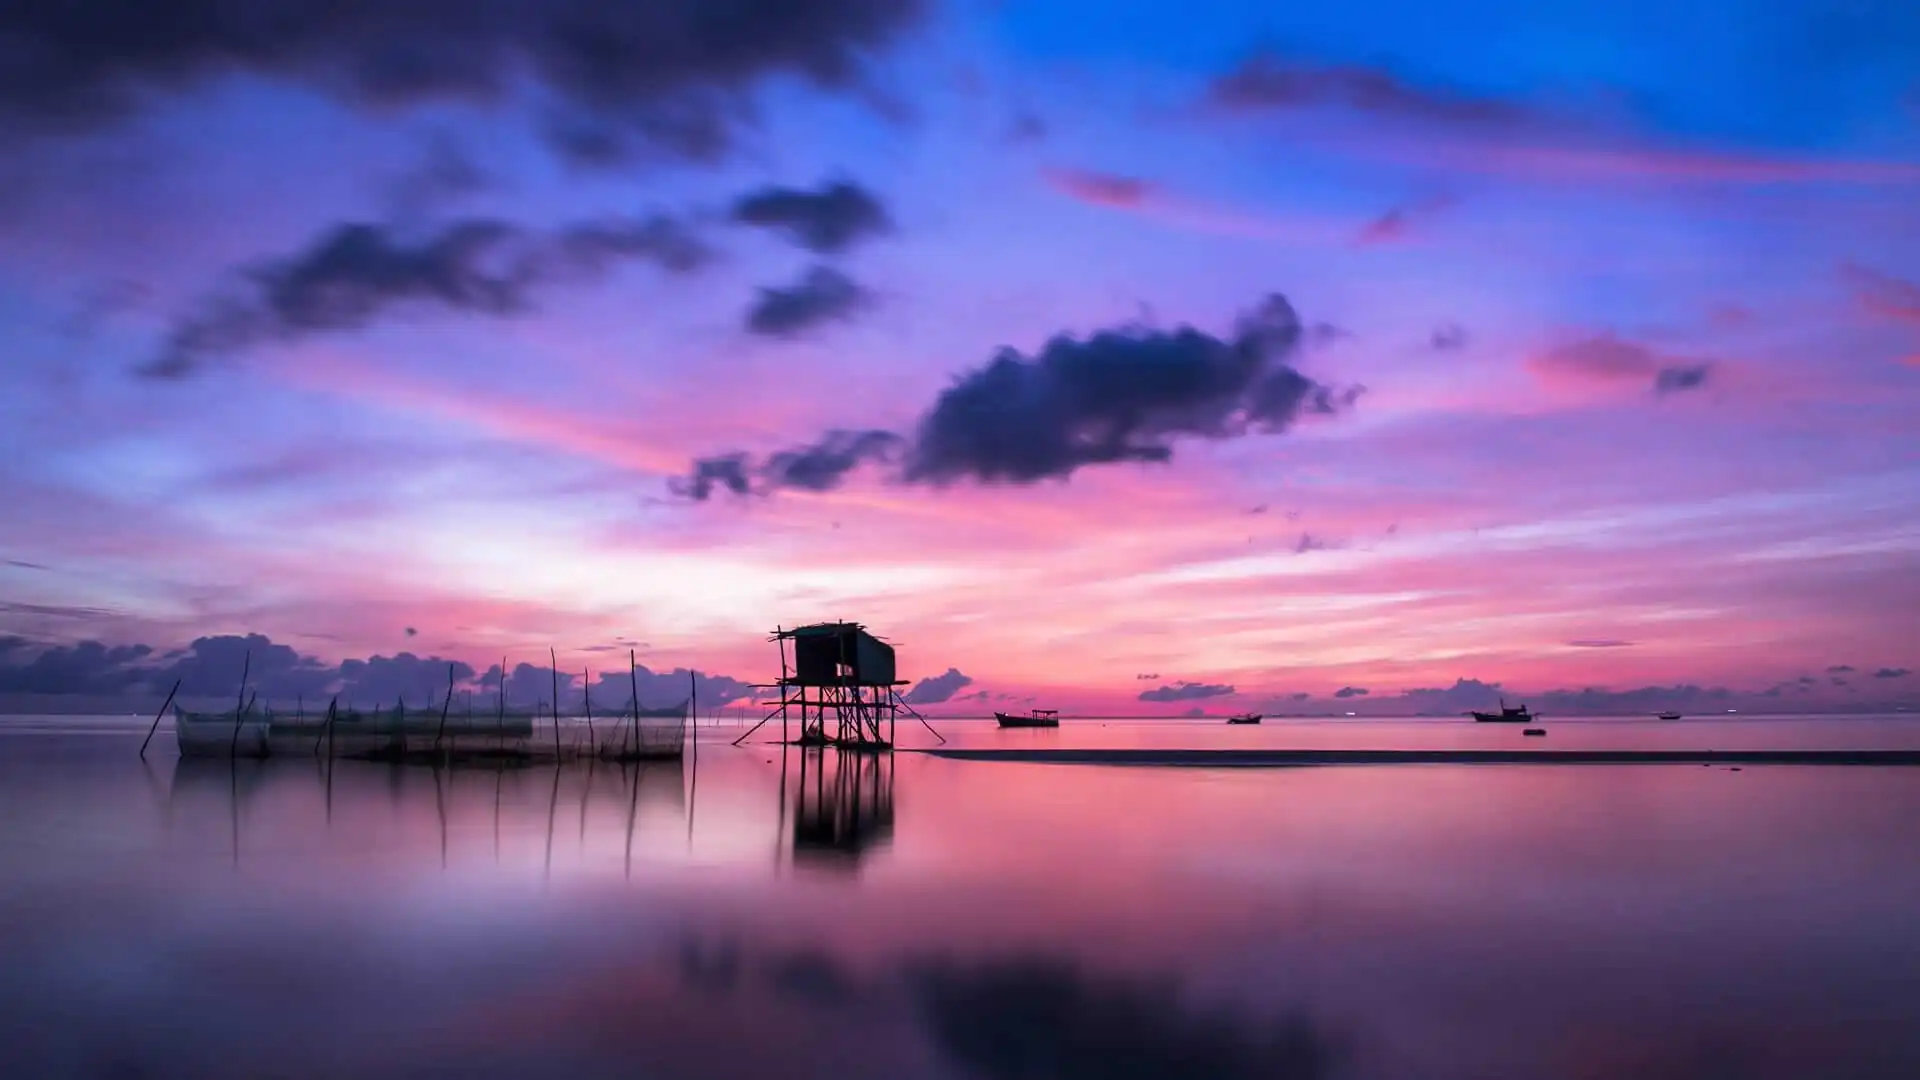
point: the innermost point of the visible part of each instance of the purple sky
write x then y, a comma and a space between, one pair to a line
409, 328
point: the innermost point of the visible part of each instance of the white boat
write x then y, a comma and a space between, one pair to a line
222, 735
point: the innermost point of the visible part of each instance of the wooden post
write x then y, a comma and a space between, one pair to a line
633, 676
156, 719
326, 727
586, 700
240, 703
554, 667
444, 706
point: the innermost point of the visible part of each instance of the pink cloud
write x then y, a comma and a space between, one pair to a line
1156, 203
1883, 295
1101, 189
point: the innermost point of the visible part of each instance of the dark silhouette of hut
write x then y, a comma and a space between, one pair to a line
840, 671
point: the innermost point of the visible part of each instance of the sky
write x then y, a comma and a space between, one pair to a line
1134, 357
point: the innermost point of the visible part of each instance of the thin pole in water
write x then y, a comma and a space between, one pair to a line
553, 666
444, 706
156, 719
586, 698
239, 706
633, 676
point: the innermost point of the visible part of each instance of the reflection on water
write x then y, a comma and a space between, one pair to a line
272, 918
843, 806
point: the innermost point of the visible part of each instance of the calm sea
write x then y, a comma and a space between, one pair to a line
768, 913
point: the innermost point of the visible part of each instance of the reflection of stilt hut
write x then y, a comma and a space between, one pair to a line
839, 687
844, 808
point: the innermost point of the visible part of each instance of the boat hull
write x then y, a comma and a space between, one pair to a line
1025, 721
1499, 718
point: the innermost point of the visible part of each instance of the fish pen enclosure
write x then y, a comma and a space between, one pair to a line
437, 736
441, 736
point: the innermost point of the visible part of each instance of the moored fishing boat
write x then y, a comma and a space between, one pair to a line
1035, 718
1244, 718
222, 734
1508, 714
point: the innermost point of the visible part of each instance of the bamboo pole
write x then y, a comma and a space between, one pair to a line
554, 668
633, 676
240, 703
156, 719
444, 706
586, 698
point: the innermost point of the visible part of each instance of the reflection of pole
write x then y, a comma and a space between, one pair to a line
553, 807
693, 784
440, 802
780, 840
633, 811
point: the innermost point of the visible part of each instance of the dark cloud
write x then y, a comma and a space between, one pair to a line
823, 465
1117, 396
1892, 673
384, 679
723, 471
1350, 692
1840, 669
1679, 377
938, 688
1267, 81
1463, 695
672, 75
411, 632
1448, 337
818, 466
87, 668
822, 295
25, 565
211, 667
356, 273
661, 688
1599, 643
827, 221
1147, 678
1186, 691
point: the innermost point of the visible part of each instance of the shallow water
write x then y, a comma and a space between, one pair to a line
917, 917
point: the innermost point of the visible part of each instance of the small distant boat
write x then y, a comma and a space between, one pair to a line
1668, 715
1508, 714
1534, 731
1036, 718
1244, 718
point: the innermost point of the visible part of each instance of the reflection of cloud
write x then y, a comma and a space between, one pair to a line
1035, 1018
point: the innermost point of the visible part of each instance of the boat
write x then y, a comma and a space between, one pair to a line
1668, 715
1508, 714
1036, 718
1244, 718
231, 734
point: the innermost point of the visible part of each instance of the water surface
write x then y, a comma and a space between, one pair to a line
769, 915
